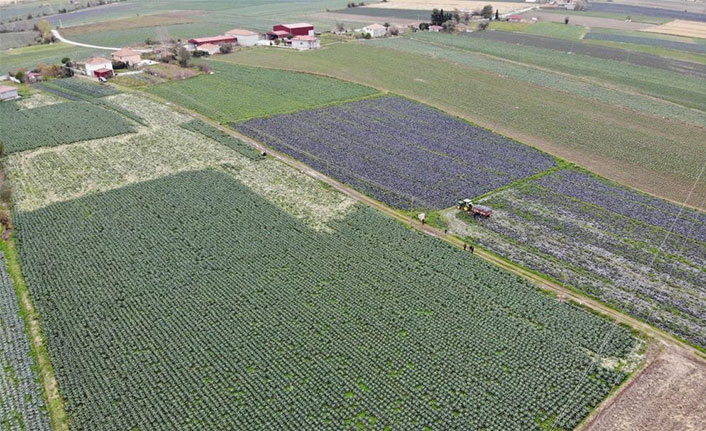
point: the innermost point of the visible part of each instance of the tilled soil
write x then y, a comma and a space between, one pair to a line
597, 51
670, 394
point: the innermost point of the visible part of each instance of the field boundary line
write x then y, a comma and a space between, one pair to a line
538, 280
50, 388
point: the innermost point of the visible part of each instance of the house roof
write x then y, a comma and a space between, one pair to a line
126, 51
298, 25
241, 32
515, 17
436, 27
376, 26
103, 70
201, 40
5, 88
305, 38
97, 60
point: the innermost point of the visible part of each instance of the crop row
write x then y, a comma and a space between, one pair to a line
235, 93
62, 123
21, 403
401, 152
651, 41
204, 306
80, 88
610, 242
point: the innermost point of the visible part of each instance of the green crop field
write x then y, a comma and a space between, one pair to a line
549, 29
544, 78
236, 93
58, 124
31, 56
649, 153
249, 319
678, 88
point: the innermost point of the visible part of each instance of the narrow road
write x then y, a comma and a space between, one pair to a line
61, 38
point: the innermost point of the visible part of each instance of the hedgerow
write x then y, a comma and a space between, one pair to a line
204, 306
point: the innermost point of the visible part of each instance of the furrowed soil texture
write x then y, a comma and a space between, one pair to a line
210, 308
400, 152
608, 241
236, 93
646, 152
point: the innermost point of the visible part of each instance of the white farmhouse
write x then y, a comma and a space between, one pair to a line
305, 42
100, 65
210, 48
245, 37
375, 30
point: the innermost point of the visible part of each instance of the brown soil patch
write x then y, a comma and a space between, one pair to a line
669, 394
681, 28
172, 18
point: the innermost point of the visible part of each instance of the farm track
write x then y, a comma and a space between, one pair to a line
596, 51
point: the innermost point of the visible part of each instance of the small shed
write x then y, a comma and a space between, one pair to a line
94, 64
245, 37
435, 28
296, 29
514, 18
305, 42
277, 34
210, 48
215, 40
103, 73
375, 30
127, 56
8, 93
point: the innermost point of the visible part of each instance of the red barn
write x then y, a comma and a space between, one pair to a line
297, 29
216, 40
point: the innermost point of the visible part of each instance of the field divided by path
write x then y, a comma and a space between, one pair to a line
608, 241
189, 307
651, 154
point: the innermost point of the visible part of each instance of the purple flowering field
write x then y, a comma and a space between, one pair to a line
608, 241
403, 153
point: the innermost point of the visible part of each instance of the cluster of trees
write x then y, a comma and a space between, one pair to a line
449, 20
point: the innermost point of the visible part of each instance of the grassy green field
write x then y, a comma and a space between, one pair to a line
610, 15
235, 93
549, 29
683, 89
29, 57
648, 153
557, 81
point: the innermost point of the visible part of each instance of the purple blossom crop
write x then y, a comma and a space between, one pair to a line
610, 242
401, 152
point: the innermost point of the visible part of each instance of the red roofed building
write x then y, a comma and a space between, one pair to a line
514, 18
296, 29
277, 34
245, 37
94, 64
215, 40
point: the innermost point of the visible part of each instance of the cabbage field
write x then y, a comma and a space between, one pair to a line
609, 242
205, 306
21, 403
58, 124
400, 152
235, 93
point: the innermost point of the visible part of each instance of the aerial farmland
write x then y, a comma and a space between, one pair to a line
326, 215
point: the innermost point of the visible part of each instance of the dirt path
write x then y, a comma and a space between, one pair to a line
85, 45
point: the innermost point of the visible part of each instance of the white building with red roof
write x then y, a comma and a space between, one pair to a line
127, 55
245, 37
215, 40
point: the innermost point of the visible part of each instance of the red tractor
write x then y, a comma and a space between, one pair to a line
478, 210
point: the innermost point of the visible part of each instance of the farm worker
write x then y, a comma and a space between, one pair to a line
470, 247
464, 247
